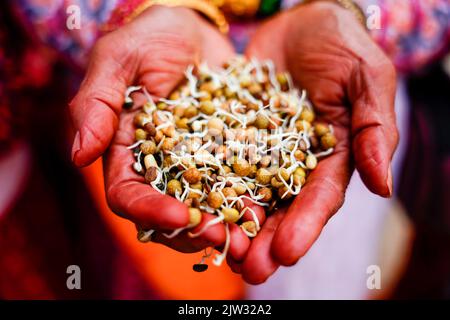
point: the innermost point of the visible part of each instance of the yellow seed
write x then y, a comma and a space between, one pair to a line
307, 115
302, 125
262, 122
207, 107
229, 192
230, 215
249, 226
215, 200
215, 126
266, 193
173, 186
311, 162
251, 185
140, 134
148, 147
190, 112
195, 217
265, 161
284, 174
282, 193
241, 167
182, 123
300, 172
263, 176
299, 180
275, 183
328, 141
299, 155
321, 129
240, 189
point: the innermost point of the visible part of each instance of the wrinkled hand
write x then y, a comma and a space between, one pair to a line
352, 85
153, 50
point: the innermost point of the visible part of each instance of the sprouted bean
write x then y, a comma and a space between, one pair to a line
223, 136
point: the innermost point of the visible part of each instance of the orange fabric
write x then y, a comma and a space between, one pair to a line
167, 271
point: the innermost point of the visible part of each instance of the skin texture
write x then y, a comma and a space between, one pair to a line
352, 85
154, 50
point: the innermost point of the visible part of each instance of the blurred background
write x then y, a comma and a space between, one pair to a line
53, 215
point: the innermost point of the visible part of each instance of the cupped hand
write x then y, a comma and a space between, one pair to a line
154, 50
352, 85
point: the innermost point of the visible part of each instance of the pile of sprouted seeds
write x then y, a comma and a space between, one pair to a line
225, 135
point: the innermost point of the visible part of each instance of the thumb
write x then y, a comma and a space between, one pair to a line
374, 130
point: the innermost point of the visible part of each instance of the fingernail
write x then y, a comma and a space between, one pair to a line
389, 181
76, 145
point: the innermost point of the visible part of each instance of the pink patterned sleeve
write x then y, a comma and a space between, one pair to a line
69, 26
412, 32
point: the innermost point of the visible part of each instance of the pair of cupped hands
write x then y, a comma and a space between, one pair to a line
350, 81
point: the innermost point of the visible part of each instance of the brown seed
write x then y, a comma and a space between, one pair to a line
150, 128
151, 174
192, 175
148, 147
284, 174
230, 215
328, 141
255, 89
267, 193
168, 144
161, 105
173, 186
195, 217
215, 200
229, 192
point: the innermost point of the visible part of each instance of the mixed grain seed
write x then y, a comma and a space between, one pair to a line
242, 132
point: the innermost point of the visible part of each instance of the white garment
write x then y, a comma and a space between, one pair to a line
336, 265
